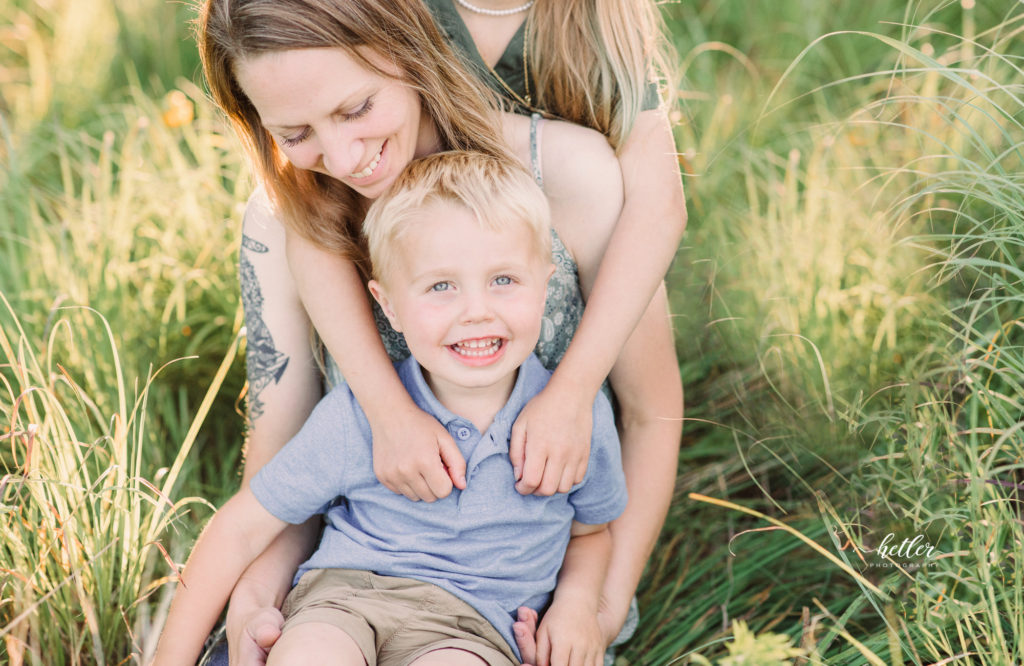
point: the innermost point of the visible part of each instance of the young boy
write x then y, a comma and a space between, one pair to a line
460, 248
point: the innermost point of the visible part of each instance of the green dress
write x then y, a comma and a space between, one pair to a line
510, 67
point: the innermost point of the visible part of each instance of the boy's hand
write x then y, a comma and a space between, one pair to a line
550, 444
413, 455
569, 636
250, 643
525, 631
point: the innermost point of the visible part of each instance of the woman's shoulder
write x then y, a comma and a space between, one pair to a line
572, 158
576, 158
260, 221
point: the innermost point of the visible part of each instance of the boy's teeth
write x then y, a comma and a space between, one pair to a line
369, 169
483, 347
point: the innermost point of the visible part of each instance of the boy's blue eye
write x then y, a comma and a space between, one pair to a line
503, 280
440, 286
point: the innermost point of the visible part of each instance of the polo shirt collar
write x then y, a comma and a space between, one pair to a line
531, 378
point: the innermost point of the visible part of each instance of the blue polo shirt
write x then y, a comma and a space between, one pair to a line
488, 545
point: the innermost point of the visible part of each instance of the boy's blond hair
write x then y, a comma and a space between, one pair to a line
499, 193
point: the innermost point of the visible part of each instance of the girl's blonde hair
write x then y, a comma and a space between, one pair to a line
498, 192
592, 61
402, 32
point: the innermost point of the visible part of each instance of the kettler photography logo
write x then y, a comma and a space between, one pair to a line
895, 551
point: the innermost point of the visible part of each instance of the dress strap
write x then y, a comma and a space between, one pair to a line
535, 153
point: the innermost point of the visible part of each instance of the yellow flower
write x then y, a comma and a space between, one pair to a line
177, 109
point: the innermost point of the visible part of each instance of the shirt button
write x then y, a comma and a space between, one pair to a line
463, 433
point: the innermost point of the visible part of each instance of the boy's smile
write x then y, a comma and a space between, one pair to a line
468, 299
480, 351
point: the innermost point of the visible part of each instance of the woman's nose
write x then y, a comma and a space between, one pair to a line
341, 154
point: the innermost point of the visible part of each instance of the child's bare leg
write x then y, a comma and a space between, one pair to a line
316, 643
448, 657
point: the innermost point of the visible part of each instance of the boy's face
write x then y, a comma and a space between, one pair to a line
468, 299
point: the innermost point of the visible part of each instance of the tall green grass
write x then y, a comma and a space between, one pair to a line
86, 514
856, 255
848, 303
119, 323
112, 204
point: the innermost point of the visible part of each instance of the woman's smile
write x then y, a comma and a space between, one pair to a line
368, 171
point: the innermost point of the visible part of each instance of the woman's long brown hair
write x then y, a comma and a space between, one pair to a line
321, 208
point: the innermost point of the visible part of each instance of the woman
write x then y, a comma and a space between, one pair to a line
323, 144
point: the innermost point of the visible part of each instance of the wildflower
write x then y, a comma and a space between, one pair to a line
178, 110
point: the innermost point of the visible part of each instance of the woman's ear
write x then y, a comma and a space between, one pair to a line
380, 295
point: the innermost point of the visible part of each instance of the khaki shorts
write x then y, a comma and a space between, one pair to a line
393, 620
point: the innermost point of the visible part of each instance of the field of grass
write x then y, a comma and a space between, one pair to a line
849, 300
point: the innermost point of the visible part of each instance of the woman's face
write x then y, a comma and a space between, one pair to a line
332, 115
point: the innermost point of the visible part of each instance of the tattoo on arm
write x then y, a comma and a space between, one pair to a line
264, 363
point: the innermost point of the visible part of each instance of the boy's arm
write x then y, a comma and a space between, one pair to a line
574, 625
412, 453
236, 535
570, 630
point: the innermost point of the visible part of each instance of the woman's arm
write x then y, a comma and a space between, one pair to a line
639, 251
238, 532
412, 453
634, 227
583, 182
649, 391
645, 375
284, 386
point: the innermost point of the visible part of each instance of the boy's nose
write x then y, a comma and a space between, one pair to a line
477, 308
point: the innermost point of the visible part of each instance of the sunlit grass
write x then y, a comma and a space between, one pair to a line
848, 301
858, 242
134, 213
86, 514
117, 252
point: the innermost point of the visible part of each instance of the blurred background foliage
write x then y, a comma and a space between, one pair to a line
848, 303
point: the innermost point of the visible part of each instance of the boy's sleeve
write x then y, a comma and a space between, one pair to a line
601, 497
309, 472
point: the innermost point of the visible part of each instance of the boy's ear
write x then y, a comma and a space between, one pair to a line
380, 295
551, 271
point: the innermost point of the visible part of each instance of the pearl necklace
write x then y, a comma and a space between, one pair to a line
495, 12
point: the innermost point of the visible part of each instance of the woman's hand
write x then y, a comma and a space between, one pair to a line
569, 635
525, 630
550, 445
413, 455
251, 636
